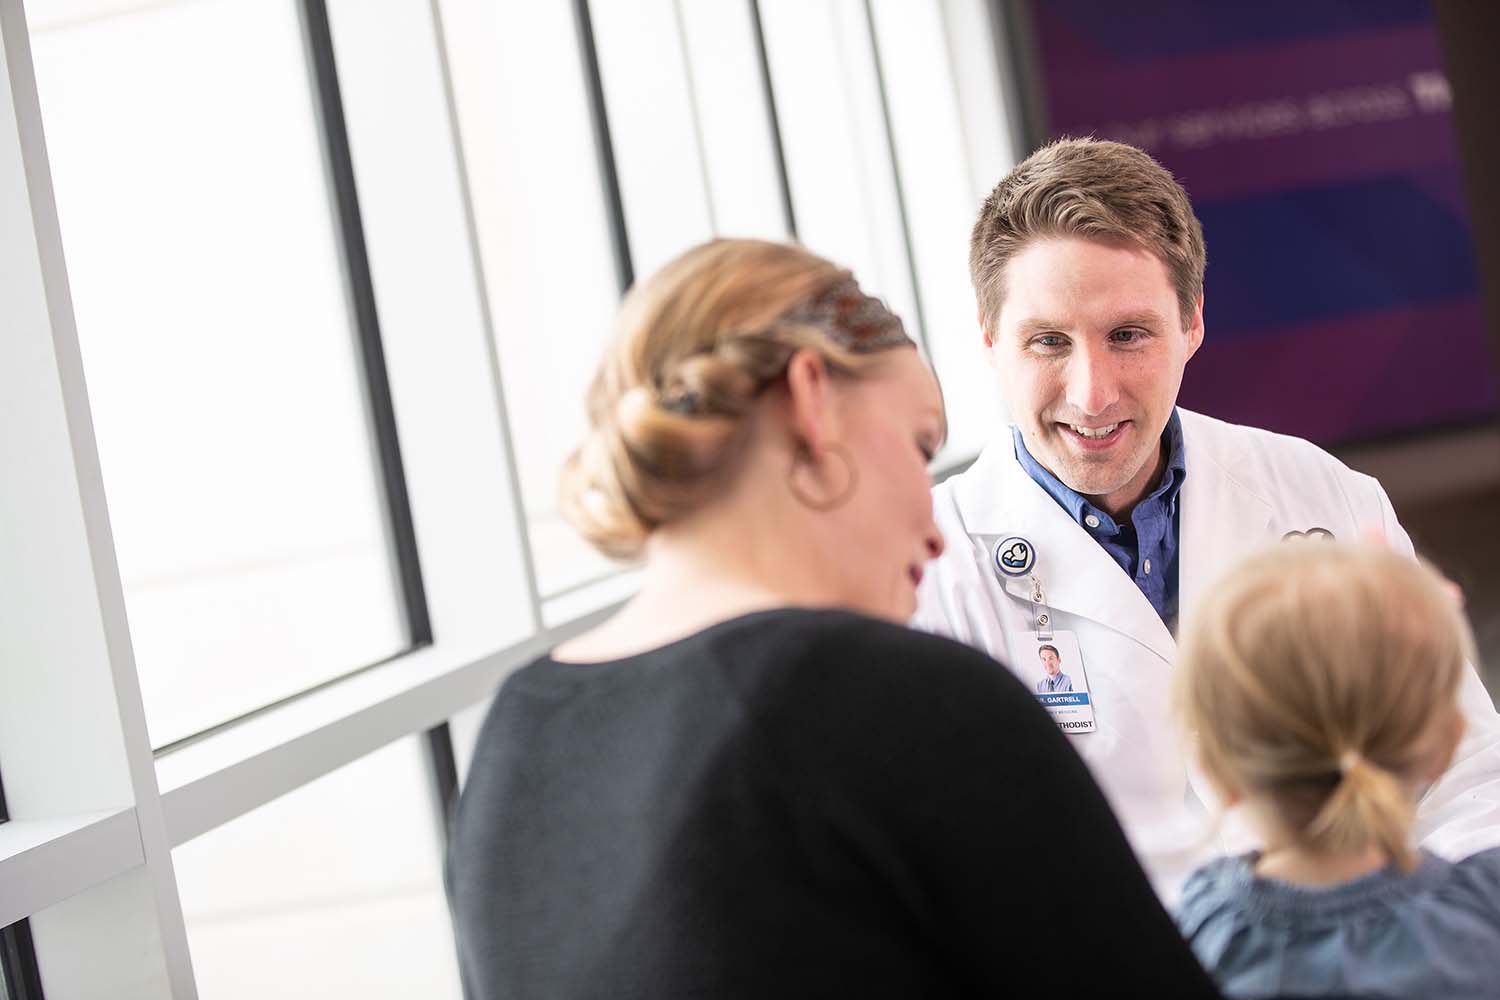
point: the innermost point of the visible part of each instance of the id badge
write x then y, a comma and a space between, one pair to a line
1052, 666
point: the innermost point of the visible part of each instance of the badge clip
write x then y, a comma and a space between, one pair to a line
1039, 610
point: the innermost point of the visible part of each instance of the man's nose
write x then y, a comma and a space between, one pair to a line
1092, 385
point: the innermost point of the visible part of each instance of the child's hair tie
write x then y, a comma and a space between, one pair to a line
1349, 760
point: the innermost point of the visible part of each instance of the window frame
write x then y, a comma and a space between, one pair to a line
18, 968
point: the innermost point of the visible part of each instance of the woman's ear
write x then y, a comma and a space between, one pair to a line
810, 397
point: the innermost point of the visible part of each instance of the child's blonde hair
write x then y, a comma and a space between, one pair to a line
1322, 678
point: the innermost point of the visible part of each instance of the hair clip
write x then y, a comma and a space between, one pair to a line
685, 403
855, 321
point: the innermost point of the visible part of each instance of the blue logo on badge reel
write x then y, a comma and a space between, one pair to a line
1015, 556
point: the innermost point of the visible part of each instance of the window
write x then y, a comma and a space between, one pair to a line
228, 397
838, 154
736, 123
541, 221
943, 189
337, 273
332, 890
18, 973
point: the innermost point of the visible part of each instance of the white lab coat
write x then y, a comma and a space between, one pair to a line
1243, 487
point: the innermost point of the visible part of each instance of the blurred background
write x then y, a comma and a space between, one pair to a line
340, 269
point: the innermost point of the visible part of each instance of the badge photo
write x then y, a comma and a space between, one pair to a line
1053, 668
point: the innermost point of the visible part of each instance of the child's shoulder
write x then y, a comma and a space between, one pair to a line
1474, 883
1225, 894
1388, 933
1216, 889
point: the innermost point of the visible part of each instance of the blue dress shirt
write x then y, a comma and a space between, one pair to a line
1062, 682
1145, 547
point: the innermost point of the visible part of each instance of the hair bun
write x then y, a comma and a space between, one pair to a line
696, 344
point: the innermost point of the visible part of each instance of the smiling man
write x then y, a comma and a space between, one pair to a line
1104, 511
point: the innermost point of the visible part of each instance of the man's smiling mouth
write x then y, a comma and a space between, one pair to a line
1099, 438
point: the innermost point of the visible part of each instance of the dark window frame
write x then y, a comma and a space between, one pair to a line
19, 975
604, 146
323, 66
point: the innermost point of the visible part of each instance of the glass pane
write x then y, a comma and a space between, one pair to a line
941, 208
104, 942
729, 93
18, 972
540, 216
5, 970
654, 127
226, 391
837, 152
333, 890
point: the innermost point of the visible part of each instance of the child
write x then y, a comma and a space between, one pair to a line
1321, 681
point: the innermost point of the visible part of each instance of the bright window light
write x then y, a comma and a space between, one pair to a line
224, 383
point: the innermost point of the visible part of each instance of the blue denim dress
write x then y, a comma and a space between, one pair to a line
1432, 933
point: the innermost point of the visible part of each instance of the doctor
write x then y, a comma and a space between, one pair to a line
1099, 517
1054, 679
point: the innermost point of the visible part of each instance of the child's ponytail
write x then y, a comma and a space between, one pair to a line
1322, 679
1370, 807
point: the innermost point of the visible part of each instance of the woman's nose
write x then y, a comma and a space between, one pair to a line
934, 543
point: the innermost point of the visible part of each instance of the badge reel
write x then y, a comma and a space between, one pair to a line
1048, 662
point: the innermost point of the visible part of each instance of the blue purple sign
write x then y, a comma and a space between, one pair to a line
1316, 142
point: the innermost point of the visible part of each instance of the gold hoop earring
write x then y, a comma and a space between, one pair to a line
803, 460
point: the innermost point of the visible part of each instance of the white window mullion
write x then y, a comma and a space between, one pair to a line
71, 655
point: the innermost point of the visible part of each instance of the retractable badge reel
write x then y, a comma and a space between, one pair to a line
1015, 557
1050, 662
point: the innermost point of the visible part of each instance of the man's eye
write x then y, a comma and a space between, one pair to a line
1050, 340
1128, 336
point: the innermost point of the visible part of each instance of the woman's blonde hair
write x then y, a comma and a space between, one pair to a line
1322, 678
694, 347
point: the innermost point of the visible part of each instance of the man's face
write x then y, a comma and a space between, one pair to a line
1050, 661
1090, 347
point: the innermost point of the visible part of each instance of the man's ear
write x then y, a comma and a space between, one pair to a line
810, 398
1195, 328
984, 328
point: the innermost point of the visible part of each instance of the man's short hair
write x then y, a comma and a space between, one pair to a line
1097, 190
1051, 647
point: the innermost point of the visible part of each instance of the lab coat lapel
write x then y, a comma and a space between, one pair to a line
998, 499
1222, 518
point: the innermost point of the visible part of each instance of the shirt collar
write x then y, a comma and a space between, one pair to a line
1080, 509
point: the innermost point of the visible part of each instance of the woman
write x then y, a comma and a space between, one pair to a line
752, 780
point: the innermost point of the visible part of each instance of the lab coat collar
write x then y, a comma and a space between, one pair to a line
1221, 517
998, 499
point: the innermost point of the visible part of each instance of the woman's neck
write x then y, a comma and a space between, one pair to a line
699, 574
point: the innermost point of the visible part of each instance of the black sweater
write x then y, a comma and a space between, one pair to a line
795, 803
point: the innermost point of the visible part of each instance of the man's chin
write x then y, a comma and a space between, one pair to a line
1088, 478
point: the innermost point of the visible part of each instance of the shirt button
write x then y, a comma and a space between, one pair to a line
1148, 567
1091, 521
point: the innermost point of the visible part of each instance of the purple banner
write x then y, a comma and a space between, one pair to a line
1316, 142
